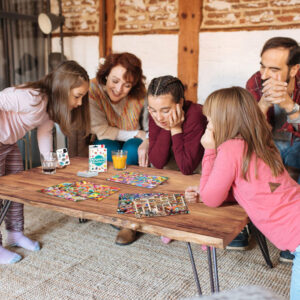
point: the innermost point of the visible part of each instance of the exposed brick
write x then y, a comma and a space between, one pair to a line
128, 27
170, 24
285, 18
148, 14
147, 26
292, 10
217, 22
209, 8
283, 3
222, 15
249, 5
157, 17
260, 12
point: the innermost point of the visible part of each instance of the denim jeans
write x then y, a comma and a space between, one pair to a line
295, 280
131, 146
290, 153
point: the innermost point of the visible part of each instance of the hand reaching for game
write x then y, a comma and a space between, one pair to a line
191, 194
143, 153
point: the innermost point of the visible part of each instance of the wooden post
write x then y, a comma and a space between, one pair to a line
106, 26
188, 45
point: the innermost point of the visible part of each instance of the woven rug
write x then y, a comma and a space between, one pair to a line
81, 261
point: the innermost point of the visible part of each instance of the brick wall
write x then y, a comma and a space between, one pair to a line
146, 15
239, 14
81, 16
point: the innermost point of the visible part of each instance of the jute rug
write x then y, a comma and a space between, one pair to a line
81, 261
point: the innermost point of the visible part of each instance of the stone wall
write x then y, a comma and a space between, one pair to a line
81, 16
159, 16
146, 15
247, 14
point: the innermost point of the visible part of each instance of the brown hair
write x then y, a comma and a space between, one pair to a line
286, 43
134, 73
235, 113
57, 86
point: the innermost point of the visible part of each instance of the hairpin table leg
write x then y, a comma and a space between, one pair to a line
213, 269
4, 210
194, 268
211, 274
261, 240
217, 289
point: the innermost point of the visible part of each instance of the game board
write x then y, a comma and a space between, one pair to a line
80, 190
152, 204
138, 179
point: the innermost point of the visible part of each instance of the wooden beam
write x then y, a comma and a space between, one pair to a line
106, 26
110, 25
188, 45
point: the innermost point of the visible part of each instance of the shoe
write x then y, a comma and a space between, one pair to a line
286, 256
241, 242
125, 237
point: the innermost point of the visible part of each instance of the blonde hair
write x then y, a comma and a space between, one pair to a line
57, 86
235, 113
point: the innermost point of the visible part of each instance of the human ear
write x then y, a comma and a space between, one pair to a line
294, 69
181, 101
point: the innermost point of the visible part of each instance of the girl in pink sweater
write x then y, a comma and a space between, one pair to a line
240, 156
59, 97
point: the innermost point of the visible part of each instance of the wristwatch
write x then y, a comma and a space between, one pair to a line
295, 109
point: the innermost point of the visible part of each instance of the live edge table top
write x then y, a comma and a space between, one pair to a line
214, 227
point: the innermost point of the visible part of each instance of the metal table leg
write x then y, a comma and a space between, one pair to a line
217, 288
261, 240
213, 269
6, 204
194, 268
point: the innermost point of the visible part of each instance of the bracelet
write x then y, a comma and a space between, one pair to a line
295, 109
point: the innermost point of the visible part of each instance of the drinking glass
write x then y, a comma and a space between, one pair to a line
119, 159
49, 162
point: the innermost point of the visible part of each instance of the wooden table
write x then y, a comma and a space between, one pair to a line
214, 227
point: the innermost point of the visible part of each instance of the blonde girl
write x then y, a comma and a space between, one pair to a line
240, 156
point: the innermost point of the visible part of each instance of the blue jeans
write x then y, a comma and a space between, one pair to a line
295, 280
290, 154
131, 146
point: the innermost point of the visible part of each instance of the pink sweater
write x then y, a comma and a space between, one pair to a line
275, 214
20, 111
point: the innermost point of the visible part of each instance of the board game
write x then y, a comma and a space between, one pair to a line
152, 204
80, 190
138, 179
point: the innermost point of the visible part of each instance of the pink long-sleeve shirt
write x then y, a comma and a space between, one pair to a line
272, 203
22, 110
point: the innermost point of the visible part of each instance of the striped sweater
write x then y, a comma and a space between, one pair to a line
105, 119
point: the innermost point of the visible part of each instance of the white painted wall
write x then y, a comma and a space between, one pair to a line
83, 49
158, 52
